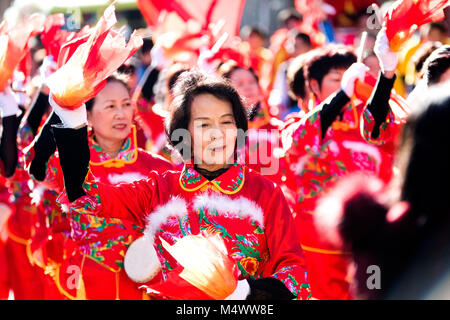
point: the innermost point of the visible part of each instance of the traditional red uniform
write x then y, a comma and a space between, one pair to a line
263, 149
315, 164
26, 280
248, 211
95, 254
5, 211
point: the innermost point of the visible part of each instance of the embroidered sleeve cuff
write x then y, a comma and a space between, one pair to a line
368, 125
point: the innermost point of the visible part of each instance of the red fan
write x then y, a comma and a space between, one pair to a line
405, 16
85, 63
202, 11
205, 270
14, 45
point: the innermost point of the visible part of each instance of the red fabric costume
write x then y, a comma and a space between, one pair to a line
96, 257
314, 166
248, 211
262, 146
26, 280
5, 211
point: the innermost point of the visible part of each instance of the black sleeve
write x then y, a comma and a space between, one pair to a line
44, 147
331, 108
147, 87
268, 289
74, 155
37, 111
378, 104
8, 144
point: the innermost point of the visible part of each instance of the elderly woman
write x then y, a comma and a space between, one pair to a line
212, 193
114, 158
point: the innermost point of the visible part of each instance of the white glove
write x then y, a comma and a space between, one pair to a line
159, 61
356, 71
70, 118
8, 103
241, 292
18, 86
387, 58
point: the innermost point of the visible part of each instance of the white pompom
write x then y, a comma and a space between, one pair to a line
141, 261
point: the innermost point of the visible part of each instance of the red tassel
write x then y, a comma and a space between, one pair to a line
14, 44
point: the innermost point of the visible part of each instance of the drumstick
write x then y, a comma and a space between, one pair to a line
362, 44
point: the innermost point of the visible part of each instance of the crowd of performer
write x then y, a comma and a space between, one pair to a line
224, 170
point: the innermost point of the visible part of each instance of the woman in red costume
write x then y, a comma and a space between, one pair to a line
212, 194
8, 162
336, 138
25, 279
94, 252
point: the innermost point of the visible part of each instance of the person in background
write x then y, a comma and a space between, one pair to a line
253, 46
298, 44
25, 280
435, 70
9, 112
370, 59
96, 246
144, 57
298, 88
290, 20
338, 137
401, 229
263, 134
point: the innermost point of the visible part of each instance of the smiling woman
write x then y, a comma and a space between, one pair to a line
211, 113
110, 115
212, 197
114, 158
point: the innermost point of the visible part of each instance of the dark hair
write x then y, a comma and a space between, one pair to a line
193, 83
295, 77
323, 60
437, 64
247, 31
226, 69
173, 76
116, 77
425, 137
304, 37
287, 14
127, 69
441, 26
421, 55
147, 45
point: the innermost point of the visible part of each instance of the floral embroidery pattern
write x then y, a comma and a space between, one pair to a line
301, 290
127, 154
229, 182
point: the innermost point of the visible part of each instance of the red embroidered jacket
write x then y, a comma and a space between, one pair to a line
314, 164
103, 240
247, 210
